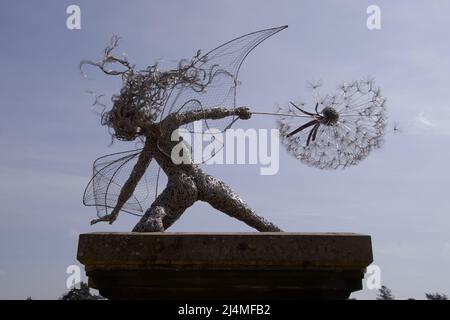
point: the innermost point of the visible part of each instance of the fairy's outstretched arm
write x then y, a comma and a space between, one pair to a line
176, 120
130, 185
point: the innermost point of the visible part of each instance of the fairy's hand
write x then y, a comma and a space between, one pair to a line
102, 219
243, 113
107, 218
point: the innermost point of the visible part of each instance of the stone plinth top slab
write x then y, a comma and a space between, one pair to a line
225, 250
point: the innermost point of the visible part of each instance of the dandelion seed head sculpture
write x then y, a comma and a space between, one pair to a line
335, 131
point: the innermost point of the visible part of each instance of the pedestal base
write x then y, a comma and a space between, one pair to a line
186, 266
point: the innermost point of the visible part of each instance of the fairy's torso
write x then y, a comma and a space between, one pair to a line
161, 146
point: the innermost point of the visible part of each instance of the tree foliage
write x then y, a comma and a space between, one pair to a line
384, 293
81, 293
436, 296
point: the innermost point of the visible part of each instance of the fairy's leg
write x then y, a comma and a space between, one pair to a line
223, 198
180, 194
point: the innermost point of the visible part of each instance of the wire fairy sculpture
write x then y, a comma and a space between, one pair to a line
151, 105
330, 132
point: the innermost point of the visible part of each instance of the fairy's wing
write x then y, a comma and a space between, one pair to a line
110, 172
219, 68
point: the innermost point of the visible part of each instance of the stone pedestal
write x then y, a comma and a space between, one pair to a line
186, 266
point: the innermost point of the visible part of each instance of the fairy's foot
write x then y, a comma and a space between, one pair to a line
152, 224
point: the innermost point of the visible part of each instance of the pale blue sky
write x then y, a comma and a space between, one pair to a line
49, 135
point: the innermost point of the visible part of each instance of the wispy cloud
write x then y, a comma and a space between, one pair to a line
425, 121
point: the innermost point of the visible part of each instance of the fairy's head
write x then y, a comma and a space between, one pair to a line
133, 109
141, 98
145, 92
124, 118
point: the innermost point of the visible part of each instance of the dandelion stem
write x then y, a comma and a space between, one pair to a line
281, 114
